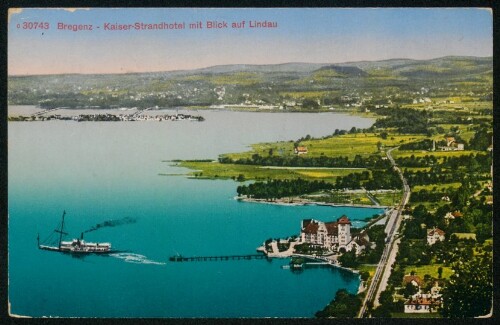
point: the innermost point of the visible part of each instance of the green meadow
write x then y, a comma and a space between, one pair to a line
347, 145
203, 169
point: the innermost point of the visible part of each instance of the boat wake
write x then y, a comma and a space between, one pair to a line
135, 258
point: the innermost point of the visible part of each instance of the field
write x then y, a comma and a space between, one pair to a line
250, 172
350, 145
432, 270
436, 187
347, 145
387, 198
438, 154
370, 268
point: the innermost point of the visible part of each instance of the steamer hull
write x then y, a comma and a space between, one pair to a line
76, 246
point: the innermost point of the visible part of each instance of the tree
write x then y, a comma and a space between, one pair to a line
410, 290
345, 305
382, 311
440, 272
469, 292
386, 297
480, 140
364, 275
349, 259
310, 103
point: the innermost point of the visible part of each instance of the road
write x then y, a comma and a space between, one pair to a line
384, 265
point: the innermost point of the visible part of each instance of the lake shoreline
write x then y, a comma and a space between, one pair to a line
307, 202
176, 214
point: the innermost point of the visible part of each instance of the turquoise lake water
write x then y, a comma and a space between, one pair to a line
104, 171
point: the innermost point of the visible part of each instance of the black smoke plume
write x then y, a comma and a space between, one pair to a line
112, 223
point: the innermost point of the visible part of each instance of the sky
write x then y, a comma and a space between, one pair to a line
37, 46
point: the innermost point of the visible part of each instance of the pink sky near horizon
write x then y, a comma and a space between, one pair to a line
322, 36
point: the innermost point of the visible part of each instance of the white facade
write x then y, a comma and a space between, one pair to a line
434, 235
330, 235
423, 303
344, 234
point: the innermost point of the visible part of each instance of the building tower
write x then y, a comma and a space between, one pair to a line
344, 227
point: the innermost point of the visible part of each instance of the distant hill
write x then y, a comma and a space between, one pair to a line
445, 66
347, 71
325, 83
298, 67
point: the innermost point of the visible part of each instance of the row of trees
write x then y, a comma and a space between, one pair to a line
425, 144
406, 121
432, 177
413, 161
384, 179
472, 163
373, 161
277, 189
352, 180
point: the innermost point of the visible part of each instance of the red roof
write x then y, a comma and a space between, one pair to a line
306, 222
433, 231
457, 214
343, 221
311, 228
422, 301
410, 278
331, 228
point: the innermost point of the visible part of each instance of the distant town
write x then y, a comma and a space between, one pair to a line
47, 115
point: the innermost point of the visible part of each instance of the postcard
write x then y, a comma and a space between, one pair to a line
250, 163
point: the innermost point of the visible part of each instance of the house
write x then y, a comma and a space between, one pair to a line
330, 235
422, 303
452, 215
413, 279
452, 145
449, 216
434, 235
300, 150
359, 243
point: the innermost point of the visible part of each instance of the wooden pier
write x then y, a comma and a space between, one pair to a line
181, 258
